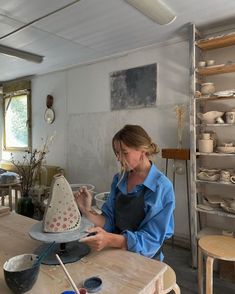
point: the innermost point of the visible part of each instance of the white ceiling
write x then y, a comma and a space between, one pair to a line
90, 30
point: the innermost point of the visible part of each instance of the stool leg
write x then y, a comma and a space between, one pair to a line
200, 271
16, 199
209, 275
176, 289
10, 198
3, 198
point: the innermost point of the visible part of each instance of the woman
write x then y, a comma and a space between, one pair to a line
138, 215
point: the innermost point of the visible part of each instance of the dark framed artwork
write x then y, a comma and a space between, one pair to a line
134, 88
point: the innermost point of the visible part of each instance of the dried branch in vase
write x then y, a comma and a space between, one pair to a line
29, 166
180, 116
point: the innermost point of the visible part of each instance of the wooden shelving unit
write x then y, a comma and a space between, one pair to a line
198, 48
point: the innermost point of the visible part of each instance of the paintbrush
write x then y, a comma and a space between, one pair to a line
68, 275
43, 254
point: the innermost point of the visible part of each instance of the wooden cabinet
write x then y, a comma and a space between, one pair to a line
208, 218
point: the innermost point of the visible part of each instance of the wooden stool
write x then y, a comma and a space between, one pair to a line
169, 281
6, 189
220, 247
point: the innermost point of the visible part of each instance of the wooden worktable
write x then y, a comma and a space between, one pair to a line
121, 271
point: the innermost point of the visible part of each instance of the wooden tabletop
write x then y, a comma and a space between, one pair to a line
121, 271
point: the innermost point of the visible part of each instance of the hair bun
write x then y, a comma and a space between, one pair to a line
154, 148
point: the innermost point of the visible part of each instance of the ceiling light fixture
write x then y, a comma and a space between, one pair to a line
156, 10
21, 54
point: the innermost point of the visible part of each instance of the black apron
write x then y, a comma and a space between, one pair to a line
129, 211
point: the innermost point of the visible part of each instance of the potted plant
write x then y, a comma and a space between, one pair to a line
28, 169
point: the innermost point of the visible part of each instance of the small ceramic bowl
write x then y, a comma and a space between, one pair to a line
207, 177
20, 274
210, 62
201, 63
75, 187
101, 198
230, 144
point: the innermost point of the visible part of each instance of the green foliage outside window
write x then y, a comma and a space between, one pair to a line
16, 117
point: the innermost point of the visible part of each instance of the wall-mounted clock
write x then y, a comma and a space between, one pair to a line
49, 115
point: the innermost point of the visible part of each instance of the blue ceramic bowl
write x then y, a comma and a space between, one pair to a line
20, 274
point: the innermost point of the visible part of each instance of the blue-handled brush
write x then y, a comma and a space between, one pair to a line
43, 254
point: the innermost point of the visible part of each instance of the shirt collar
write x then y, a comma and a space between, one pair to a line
150, 182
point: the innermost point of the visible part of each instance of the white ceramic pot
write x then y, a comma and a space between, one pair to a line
207, 88
205, 146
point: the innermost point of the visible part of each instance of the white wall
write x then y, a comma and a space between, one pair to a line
91, 124
85, 125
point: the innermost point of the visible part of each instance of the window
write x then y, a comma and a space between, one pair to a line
17, 116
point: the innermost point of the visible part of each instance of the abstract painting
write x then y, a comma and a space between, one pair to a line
134, 88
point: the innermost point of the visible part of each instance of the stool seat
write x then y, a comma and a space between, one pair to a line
220, 247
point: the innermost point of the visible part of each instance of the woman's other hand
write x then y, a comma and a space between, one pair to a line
83, 199
100, 239
97, 240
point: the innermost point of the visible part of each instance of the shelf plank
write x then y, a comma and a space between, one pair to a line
206, 98
217, 42
215, 125
217, 212
215, 70
215, 154
215, 183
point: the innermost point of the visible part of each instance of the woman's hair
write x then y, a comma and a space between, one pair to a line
136, 137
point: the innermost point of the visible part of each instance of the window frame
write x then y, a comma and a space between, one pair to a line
11, 95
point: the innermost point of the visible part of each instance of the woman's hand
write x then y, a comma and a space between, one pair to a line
101, 239
83, 199
98, 240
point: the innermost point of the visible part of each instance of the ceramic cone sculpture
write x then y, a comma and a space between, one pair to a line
61, 214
